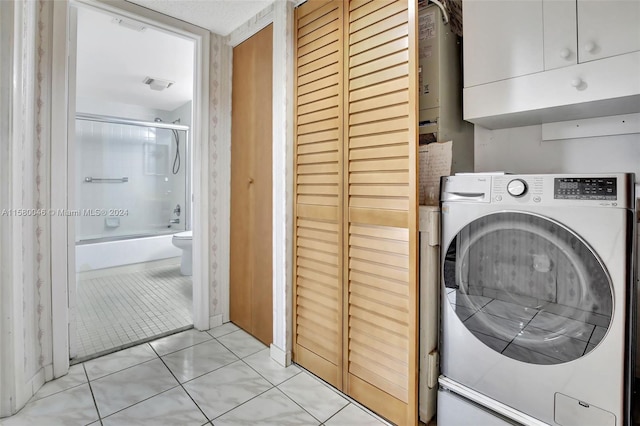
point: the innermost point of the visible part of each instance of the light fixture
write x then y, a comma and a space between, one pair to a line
157, 83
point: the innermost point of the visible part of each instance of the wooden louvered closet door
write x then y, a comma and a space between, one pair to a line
319, 179
366, 137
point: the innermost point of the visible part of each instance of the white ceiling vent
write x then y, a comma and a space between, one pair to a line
157, 83
132, 25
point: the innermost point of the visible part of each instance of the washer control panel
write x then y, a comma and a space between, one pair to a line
576, 188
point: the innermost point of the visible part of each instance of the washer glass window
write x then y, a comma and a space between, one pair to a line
528, 288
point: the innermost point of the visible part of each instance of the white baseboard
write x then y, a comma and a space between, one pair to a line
278, 355
215, 321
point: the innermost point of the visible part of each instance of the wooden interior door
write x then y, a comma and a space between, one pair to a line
356, 229
251, 187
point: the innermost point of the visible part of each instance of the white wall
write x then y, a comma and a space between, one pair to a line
522, 150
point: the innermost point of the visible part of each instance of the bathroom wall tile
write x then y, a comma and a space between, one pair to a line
119, 360
70, 407
179, 341
125, 388
268, 409
316, 397
241, 343
226, 388
173, 407
269, 369
197, 360
75, 377
353, 415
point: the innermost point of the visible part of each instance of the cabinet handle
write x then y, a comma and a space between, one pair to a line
576, 82
565, 53
590, 47
250, 180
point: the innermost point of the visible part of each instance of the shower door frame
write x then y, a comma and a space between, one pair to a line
63, 149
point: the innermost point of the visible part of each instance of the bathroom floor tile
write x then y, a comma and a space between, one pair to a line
226, 388
241, 343
272, 408
197, 360
173, 407
118, 307
70, 407
178, 341
117, 361
269, 369
316, 397
125, 388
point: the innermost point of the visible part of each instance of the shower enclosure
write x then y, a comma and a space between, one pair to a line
132, 179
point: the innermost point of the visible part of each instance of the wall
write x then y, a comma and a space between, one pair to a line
522, 150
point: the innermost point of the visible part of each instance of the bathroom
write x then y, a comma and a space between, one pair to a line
132, 184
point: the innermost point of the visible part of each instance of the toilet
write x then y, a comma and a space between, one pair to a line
182, 240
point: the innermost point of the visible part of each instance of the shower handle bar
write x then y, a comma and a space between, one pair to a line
90, 179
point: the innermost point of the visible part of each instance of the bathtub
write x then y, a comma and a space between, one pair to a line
107, 254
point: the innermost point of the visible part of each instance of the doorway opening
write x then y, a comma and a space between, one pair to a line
130, 182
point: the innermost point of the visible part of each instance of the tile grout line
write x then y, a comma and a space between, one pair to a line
181, 385
93, 397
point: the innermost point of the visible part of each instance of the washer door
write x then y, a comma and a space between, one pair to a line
528, 287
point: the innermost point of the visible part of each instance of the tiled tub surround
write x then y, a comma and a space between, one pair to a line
118, 307
222, 377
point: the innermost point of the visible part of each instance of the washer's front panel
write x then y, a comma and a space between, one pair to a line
534, 303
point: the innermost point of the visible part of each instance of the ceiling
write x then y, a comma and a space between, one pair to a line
113, 60
218, 16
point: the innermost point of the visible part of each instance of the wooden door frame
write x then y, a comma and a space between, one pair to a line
62, 230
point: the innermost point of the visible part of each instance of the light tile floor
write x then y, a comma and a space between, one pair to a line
220, 377
117, 307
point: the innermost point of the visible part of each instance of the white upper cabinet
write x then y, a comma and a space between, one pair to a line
607, 28
537, 61
503, 39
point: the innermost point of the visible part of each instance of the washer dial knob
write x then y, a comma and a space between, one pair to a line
517, 187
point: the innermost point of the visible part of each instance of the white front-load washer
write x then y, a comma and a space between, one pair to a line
537, 296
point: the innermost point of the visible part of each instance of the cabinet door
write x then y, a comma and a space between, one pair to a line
560, 33
503, 39
607, 28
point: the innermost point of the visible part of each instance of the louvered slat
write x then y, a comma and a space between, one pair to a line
382, 237
318, 245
